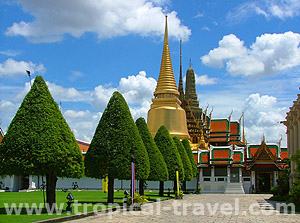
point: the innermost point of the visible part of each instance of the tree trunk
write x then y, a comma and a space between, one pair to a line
141, 187
184, 186
51, 180
110, 197
161, 188
175, 187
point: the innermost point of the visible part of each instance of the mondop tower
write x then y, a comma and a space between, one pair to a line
165, 108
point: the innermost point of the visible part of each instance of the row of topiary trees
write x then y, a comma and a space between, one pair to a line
118, 140
39, 142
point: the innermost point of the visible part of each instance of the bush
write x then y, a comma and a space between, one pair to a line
275, 190
137, 199
295, 192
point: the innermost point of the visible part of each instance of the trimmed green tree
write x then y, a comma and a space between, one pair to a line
186, 144
158, 167
171, 156
115, 141
39, 142
188, 172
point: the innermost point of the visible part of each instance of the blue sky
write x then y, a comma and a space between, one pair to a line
245, 54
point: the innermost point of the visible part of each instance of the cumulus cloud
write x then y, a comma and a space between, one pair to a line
281, 9
106, 18
268, 55
137, 89
82, 123
10, 68
204, 80
262, 117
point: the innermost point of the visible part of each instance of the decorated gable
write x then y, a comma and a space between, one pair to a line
221, 155
265, 158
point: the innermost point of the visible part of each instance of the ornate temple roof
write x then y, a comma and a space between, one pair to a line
166, 82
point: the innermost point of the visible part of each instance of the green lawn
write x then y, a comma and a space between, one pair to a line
90, 197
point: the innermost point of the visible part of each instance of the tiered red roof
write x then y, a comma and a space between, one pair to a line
84, 146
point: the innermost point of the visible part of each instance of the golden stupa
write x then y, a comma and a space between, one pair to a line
165, 108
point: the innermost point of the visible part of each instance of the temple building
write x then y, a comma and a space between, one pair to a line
292, 123
226, 162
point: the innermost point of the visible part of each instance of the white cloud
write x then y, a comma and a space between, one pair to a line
204, 80
205, 28
229, 47
106, 18
262, 117
137, 89
268, 55
281, 9
284, 9
10, 68
10, 53
100, 96
7, 106
76, 114
75, 75
82, 123
199, 15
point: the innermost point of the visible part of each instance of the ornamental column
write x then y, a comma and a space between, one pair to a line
212, 173
253, 180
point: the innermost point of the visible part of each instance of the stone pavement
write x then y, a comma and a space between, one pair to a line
226, 208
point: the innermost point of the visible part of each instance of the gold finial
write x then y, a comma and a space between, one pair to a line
166, 82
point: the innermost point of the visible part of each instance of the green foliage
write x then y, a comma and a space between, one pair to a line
158, 167
38, 140
281, 190
115, 138
170, 153
296, 158
188, 172
295, 192
137, 199
186, 144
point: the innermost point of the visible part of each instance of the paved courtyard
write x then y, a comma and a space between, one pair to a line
203, 208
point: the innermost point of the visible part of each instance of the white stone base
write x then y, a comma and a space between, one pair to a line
26, 190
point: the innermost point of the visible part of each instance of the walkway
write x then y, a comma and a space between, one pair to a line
226, 208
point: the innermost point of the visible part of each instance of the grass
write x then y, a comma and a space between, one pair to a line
85, 196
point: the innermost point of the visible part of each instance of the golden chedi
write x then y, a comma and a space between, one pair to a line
165, 108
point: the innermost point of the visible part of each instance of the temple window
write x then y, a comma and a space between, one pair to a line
206, 172
220, 171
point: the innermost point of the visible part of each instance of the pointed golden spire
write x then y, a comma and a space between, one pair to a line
166, 82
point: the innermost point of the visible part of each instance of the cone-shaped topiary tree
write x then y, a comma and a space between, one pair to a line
158, 167
186, 144
170, 153
188, 172
39, 141
115, 141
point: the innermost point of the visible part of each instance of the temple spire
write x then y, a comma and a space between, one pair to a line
166, 82
180, 86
